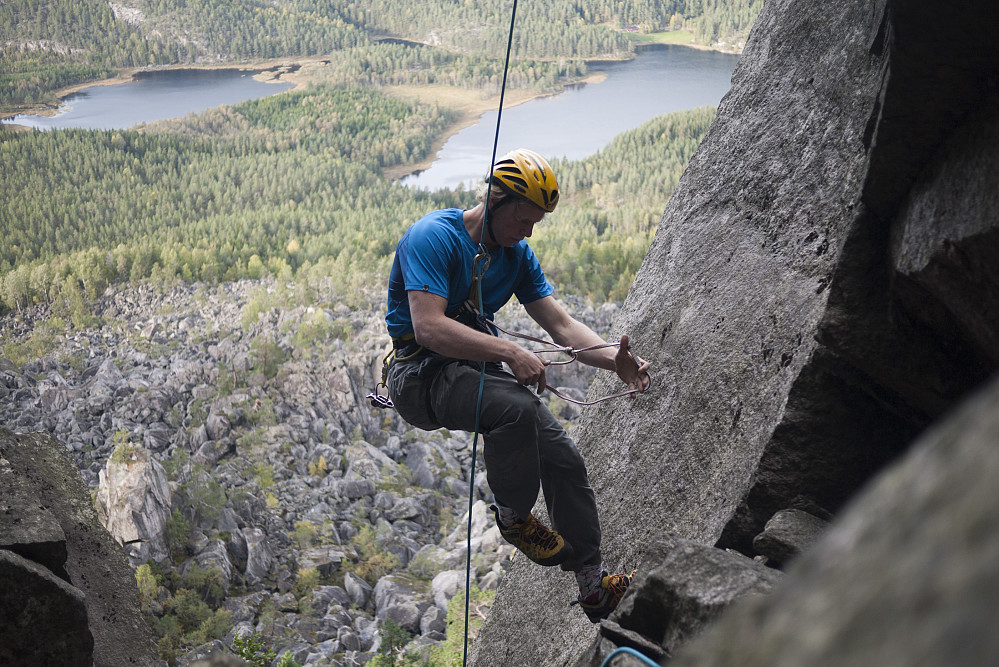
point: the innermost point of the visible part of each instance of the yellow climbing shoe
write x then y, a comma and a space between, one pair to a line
599, 605
536, 540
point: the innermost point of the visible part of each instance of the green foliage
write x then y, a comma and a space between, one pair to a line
254, 649
306, 582
214, 627
190, 616
390, 651
203, 495
43, 339
592, 245
189, 609
287, 660
79, 209
319, 467
148, 585
304, 534
424, 566
267, 356
124, 450
178, 533
263, 473
449, 654
373, 561
206, 582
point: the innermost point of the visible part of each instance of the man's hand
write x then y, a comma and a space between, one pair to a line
528, 367
633, 370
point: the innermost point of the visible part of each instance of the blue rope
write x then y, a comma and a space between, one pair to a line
482, 370
632, 652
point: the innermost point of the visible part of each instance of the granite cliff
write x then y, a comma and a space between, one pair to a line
822, 288
809, 482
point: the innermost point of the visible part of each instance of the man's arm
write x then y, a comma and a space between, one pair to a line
436, 331
568, 331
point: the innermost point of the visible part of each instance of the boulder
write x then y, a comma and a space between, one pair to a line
358, 589
787, 534
94, 562
260, 556
43, 618
678, 592
133, 503
27, 528
906, 575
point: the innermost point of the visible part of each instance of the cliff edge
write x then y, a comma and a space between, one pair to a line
821, 289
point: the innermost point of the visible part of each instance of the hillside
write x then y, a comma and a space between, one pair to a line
53, 44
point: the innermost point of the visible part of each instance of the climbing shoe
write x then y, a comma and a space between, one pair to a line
599, 605
536, 540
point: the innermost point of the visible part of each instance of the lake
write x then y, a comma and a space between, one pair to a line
573, 124
583, 120
152, 96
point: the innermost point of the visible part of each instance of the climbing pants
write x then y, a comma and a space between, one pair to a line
524, 446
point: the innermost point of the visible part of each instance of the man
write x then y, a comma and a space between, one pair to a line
435, 375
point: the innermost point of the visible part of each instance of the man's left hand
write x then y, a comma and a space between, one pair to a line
633, 370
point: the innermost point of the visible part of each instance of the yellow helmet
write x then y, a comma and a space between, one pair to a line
528, 175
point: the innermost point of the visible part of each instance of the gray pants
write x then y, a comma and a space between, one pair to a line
524, 445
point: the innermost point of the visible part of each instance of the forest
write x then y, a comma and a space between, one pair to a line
52, 44
291, 185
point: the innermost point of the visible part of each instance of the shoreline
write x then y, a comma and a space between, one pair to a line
469, 104
469, 107
269, 71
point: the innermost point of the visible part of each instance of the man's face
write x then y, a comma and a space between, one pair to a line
514, 222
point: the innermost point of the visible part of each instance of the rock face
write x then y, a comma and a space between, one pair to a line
43, 618
936, 577
822, 287
66, 584
133, 503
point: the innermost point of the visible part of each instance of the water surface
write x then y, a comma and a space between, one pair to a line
583, 120
152, 96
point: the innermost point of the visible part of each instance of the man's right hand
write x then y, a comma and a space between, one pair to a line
528, 367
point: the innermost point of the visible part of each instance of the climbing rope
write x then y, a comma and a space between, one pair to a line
625, 650
474, 304
478, 270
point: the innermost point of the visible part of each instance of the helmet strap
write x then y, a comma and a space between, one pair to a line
488, 219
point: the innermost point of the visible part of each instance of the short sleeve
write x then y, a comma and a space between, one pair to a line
533, 284
426, 259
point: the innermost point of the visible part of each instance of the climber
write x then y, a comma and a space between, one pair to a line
434, 377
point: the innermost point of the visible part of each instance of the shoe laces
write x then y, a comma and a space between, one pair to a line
535, 532
617, 584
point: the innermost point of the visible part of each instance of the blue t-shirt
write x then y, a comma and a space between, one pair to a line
435, 255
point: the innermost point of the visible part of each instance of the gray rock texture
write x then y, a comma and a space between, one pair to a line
43, 619
787, 534
99, 576
133, 503
821, 288
908, 575
683, 586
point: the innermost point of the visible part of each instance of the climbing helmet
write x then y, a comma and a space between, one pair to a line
526, 174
